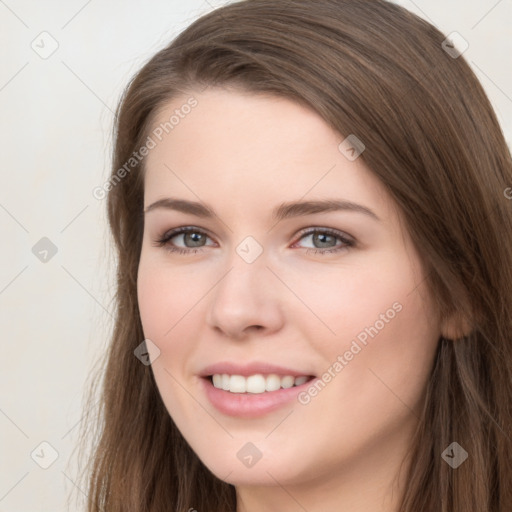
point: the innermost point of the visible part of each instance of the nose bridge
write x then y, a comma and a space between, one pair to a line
246, 282
247, 266
246, 295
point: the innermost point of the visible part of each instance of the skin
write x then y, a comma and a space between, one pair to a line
245, 154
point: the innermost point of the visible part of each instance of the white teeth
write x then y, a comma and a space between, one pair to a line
300, 380
217, 380
237, 384
255, 383
288, 381
273, 382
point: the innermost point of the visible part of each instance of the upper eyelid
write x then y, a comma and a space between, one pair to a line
300, 234
184, 229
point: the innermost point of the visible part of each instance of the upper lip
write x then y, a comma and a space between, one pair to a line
248, 369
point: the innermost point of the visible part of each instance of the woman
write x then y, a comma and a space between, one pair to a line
314, 239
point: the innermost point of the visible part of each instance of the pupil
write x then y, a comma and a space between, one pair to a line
323, 237
196, 237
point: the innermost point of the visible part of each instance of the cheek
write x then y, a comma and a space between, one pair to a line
387, 339
170, 302
378, 318
163, 312
165, 296
334, 304
153, 303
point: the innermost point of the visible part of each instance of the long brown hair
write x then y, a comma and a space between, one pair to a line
373, 69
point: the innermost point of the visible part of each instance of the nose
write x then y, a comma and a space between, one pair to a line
246, 300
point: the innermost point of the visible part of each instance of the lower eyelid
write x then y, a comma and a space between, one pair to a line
347, 242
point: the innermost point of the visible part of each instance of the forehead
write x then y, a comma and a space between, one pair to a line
252, 150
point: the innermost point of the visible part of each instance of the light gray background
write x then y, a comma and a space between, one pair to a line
56, 120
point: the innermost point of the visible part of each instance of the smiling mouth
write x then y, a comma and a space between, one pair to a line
257, 383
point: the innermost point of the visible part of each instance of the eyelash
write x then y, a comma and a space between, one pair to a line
163, 241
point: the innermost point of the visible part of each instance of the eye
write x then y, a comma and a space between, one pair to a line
189, 234
196, 237
323, 236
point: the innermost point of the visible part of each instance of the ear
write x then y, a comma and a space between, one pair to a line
455, 326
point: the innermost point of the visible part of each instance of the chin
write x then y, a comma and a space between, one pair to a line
240, 462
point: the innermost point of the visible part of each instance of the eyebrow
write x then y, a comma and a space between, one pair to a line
282, 212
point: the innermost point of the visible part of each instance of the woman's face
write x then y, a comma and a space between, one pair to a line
273, 283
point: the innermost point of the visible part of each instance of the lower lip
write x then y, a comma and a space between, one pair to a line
250, 405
